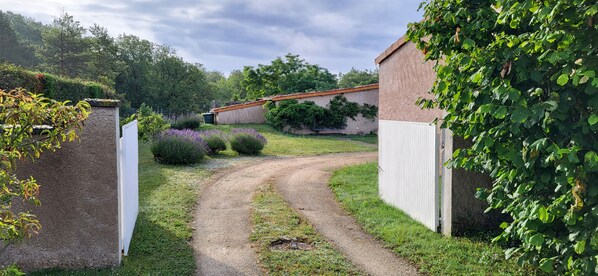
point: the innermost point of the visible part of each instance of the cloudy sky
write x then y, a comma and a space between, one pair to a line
228, 34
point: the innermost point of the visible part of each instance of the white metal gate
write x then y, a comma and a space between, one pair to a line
408, 177
128, 184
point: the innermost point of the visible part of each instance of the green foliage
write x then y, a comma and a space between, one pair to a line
295, 115
64, 49
51, 86
286, 76
12, 50
149, 123
189, 121
22, 114
245, 143
356, 78
11, 270
519, 79
215, 139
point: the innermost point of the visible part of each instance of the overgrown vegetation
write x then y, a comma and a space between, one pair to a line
519, 79
187, 121
307, 115
179, 147
149, 123
51, 86
215, 139
22, 115
275, 223
247, 141
356, 187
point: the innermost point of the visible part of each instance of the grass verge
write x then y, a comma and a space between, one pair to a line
283, 144
274, 221
356, 187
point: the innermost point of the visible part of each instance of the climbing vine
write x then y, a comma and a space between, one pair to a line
295, 115
519, 79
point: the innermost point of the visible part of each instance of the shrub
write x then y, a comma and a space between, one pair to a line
189, 121
174, 146
149, 123
51, 86
247, 141
215, 140
295, 115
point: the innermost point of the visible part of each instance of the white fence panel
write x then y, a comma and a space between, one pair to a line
129, 183
408, 169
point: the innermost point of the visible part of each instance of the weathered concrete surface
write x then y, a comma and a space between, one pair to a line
404, 78
248, 115
223, 223
79, 201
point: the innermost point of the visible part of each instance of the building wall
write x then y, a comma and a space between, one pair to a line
360, 125
248, 115
404, 78
79, 201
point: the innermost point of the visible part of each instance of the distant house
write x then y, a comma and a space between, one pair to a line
254, 112
412, 149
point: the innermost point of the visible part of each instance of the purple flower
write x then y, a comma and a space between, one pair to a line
251, 132
209, 133
186, 134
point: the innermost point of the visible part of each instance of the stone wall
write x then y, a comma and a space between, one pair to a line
79, 201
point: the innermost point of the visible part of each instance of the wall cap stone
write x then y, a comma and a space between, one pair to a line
103, 102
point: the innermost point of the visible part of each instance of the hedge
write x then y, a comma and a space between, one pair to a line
51, 86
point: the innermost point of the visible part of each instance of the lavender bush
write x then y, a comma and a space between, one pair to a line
188, 121
215, 139
247, 141
174, 146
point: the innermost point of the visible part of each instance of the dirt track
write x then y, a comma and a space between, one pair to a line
223, 224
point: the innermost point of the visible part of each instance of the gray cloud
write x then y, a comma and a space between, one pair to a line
225, 34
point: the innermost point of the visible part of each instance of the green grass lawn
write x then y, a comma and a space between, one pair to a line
282, 144
273, 220
357, 190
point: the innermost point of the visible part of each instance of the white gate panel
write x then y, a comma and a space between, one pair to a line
129, 183
408, 169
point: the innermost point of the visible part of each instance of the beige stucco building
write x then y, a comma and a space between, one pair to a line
254, 112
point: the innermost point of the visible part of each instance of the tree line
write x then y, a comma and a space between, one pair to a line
146, 72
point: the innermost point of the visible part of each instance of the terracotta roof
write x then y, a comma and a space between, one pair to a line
390, 50
324, 93
239, 106
297, 96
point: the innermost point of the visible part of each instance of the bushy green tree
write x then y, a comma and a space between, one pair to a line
519, 79
355, 78
11, 49
21, 112
286, 76
103, 64
64, 50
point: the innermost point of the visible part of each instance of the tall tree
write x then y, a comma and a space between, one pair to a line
11, 50
356, 77
286, 76
137, 55
104, 64
65, 50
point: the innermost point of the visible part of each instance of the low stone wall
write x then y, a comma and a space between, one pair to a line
79, 201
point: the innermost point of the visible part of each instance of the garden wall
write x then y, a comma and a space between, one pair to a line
248, 113
79, 201
405, 77
360, 125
